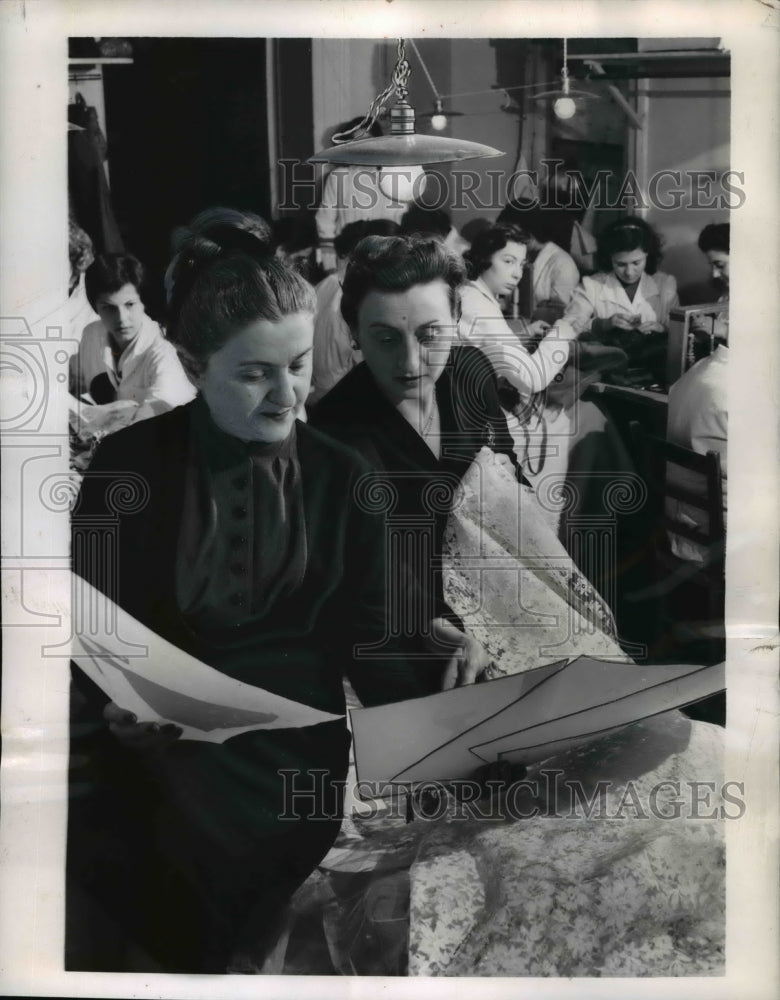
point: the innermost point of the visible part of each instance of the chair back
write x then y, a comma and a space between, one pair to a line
686, 491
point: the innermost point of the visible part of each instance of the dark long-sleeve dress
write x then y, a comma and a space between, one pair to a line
256, 560
415, 487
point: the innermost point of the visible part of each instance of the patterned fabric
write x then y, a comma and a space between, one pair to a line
623, 877
510, 580
624, 892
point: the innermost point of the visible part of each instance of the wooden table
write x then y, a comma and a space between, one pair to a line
625, 403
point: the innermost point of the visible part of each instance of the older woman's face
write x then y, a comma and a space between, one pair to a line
628, 266
406, 338
256, 383
506, 268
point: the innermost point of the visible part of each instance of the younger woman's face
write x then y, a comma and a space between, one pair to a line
256, 382
406, 338
629, 265
506, 269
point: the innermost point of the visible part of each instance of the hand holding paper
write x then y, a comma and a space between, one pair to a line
161, 683
135, 735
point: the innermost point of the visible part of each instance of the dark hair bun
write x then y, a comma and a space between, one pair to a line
199, 247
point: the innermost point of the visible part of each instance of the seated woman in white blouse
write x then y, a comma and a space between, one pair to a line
626, 304
558, 437
124, 362
495, 264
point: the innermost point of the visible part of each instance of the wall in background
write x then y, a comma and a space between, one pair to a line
687, 128
187, 129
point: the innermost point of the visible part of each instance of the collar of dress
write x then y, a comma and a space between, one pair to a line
133, 352
482, 287
646, 288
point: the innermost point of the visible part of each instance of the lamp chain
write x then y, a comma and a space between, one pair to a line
400, 78
401, 72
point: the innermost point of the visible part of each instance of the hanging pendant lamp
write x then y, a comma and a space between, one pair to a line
438, 117
565, 99
403, 147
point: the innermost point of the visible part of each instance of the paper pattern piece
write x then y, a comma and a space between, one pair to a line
161, 683
523, 718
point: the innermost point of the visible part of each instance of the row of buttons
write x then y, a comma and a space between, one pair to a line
238, 541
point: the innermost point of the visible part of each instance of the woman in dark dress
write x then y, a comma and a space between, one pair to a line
246, 550
419, 408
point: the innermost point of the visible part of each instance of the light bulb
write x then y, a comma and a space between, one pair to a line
439, 122
564, 108
402, 184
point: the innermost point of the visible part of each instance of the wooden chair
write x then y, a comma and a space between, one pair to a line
685, 493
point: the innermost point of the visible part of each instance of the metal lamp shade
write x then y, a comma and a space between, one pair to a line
404, 151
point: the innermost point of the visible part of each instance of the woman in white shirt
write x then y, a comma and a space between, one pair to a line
495, 264
560, 445
627, 303
123, 360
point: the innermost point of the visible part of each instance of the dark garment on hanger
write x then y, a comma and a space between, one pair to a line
90, 198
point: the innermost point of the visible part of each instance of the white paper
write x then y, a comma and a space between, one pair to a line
145, 674
522, 718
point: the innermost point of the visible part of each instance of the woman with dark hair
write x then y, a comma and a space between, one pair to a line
123, 357
419, 409
714, 242
495, 264
527, 374
555, 275
559, 438
629, 298
424, 411
252, 556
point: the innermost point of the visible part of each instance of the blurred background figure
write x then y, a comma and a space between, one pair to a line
554, 273
714, 242
418, 220
334, 353
296, 243
359, 194
698, 401
80, 256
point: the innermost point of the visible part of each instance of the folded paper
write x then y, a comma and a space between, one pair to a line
523, 718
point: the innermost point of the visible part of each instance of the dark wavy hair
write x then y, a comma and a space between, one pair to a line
625, 235
488, 242
418, 220
225, 276
714, 237
349, 237
109, 272
396, 264
529, 215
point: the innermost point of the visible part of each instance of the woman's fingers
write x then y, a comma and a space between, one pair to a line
465, 666
136, 735
469, 659
449, 678
112, 713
